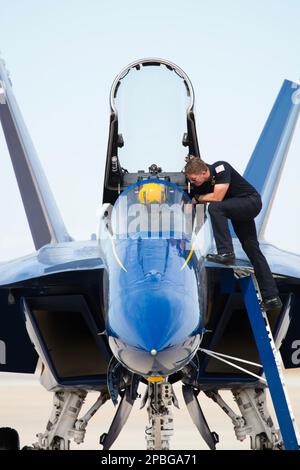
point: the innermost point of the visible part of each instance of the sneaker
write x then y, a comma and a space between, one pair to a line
272, 304
224, 258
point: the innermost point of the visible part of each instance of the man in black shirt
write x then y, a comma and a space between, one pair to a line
232, 197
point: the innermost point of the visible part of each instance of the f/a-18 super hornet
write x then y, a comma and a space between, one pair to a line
139, 305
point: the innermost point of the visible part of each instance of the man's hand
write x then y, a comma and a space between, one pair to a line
218, 195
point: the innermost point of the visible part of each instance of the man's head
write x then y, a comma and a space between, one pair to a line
196, 170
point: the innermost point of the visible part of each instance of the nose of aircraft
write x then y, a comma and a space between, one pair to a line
154, 331
155, 363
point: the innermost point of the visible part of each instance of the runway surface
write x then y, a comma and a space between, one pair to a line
26, 406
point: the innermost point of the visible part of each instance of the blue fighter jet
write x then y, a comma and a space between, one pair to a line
139, 305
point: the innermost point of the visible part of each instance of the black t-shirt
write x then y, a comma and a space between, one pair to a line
221, 173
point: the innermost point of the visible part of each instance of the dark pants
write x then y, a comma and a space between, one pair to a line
242, 211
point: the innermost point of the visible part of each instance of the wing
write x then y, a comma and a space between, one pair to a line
44, 219
281, 262
40, 284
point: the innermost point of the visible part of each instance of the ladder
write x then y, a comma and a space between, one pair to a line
270, 360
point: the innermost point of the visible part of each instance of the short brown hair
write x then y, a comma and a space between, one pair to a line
194, 165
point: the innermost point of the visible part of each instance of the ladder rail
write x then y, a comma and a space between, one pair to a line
269, 356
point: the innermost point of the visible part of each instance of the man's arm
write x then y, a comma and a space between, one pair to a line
218, 195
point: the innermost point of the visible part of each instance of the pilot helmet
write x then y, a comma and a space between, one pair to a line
152, 193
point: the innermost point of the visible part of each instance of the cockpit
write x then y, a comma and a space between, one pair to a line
152, 126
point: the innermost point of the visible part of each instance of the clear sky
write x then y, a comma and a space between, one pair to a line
64, 54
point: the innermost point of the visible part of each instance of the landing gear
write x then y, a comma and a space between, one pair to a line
9, 439
120, 382
193, 406
64, 424
255, 420
160, 397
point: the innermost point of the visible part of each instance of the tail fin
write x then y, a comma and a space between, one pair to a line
44, 219
266, 163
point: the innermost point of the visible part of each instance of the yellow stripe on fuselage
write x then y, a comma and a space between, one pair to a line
116, 256
188, 257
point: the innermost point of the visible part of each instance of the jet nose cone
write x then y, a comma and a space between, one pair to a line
155, 362
156, 329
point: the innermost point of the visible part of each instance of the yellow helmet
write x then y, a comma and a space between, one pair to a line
151, 193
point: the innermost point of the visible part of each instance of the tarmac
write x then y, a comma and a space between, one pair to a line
26, 406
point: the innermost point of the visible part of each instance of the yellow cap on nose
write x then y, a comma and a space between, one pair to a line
155, 379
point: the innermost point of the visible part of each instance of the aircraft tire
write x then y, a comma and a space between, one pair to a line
9, 439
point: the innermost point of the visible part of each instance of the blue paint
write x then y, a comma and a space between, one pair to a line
270, 369
159, 304
279, 121
264, 167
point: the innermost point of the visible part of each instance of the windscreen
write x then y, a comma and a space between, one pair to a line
153, 209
